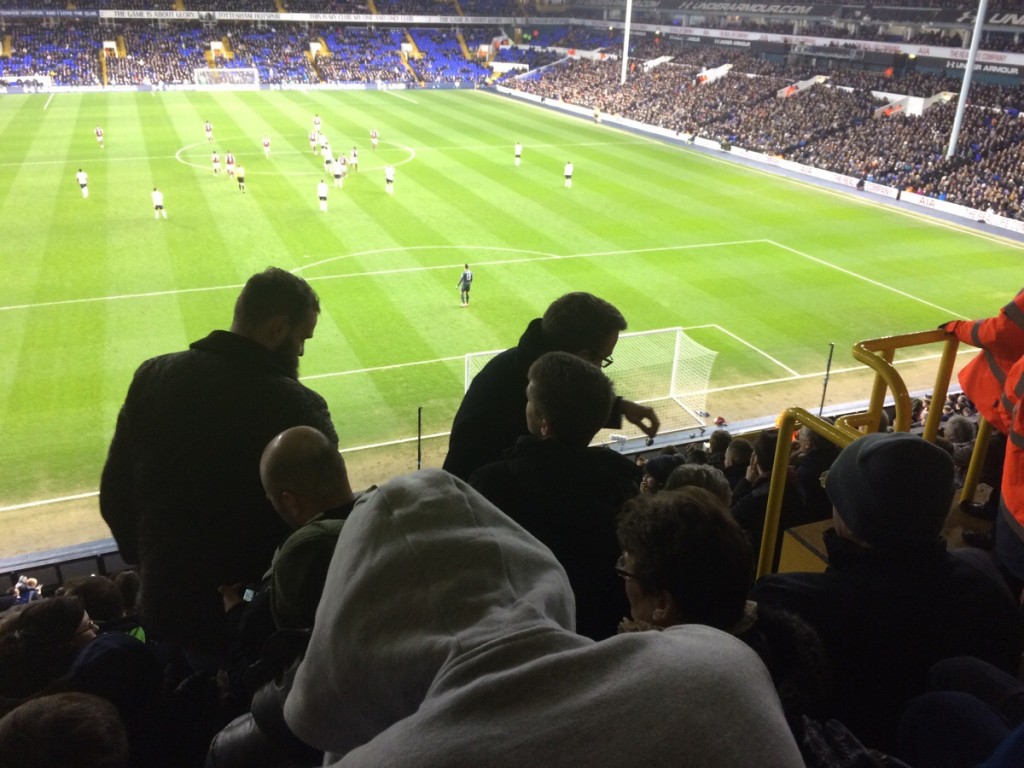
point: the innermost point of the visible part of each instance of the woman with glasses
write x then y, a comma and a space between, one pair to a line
53, 645
685, 560
38, 643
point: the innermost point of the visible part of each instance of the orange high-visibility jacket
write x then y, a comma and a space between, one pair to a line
1012, 490
1001, 340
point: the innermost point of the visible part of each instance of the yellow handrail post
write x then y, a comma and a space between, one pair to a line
788, 421
977, 460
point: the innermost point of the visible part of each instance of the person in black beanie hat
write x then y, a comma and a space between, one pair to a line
891, 490
657, 470
893, 600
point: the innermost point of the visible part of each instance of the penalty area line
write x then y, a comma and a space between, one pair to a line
746, 343
398, 95
866, 279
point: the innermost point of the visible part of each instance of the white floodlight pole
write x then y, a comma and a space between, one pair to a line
961, 105
625, 40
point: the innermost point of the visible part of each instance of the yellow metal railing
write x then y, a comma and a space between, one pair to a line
877, 354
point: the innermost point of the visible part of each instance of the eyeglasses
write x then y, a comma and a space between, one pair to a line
620, 569
607, 361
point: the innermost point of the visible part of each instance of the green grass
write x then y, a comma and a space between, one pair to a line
92, 287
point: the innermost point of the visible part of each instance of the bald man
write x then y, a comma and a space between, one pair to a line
307, 483
305, 479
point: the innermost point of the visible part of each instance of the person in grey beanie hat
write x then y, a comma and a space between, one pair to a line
891, 489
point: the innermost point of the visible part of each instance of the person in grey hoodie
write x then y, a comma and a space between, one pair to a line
445, 638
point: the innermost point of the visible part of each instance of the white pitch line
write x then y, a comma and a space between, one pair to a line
833, 371
259, 152
106, 159
47, 104
541, 256
402, 96
377, 368
122, 297
44, 502
435, 435
207, 166
748, 344
851, 273
397, 249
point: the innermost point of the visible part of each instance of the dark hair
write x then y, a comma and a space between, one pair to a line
741, 450
581, 321
573, 395
64, 729
959, 429
36, 644
686, 542
128, 584
274, 292
101, 597
695, 455
719, 440
764, 448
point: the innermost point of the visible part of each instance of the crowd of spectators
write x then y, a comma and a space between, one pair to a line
396, 624
160, 56
443, 60
363, 55
826, 126
69, 54
278, 53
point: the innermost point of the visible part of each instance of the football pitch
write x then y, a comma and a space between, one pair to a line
765, 271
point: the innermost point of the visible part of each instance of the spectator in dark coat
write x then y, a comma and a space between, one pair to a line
566, 493
491, 416
717, 445
814, 456
737, 460
750, 496
893, 600
181, 487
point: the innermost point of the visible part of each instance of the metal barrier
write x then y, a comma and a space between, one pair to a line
877, 354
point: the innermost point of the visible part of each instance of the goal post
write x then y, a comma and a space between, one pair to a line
664, 369
227, 78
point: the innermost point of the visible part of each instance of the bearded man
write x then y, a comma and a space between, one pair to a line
181, 488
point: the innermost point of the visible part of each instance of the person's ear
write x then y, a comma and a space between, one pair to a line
666, 612
291, 507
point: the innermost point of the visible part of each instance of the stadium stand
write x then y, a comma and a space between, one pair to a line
839, 124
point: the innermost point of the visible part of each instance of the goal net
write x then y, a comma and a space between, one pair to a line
227, 78
664, 369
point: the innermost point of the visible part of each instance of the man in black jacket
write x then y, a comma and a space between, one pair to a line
492, 414
562, 491
181, 488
